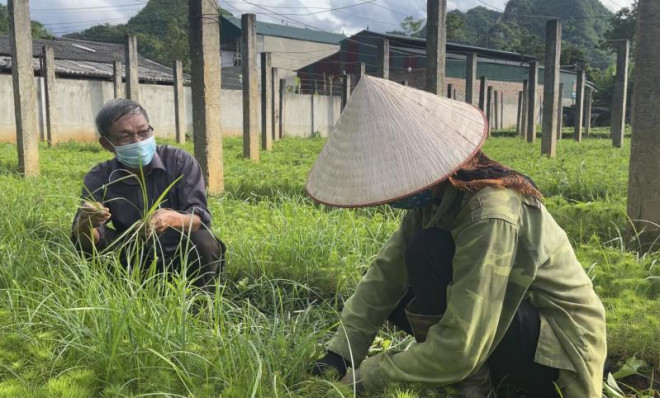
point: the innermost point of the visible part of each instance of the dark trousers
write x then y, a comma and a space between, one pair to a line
202, 251
429, 265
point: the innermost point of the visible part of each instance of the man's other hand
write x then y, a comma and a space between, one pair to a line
92, 214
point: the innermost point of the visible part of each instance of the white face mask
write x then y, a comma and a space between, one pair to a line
137, 154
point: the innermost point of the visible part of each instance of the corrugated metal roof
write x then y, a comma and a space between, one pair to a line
271, 29
87, 58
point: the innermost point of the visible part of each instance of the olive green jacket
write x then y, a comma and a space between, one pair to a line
508, 249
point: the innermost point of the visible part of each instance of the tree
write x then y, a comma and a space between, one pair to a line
409, 26
39, 31
623, 25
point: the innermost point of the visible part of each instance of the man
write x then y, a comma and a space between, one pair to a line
478, 271
154, 197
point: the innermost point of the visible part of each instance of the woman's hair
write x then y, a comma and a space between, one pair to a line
481, 172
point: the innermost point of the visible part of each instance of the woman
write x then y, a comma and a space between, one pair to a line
478, 271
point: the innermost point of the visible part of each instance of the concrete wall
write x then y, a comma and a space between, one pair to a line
78, 101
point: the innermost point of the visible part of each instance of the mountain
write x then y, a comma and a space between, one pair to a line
521, 28
161, 28
38, 30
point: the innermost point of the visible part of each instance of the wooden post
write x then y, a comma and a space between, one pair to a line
118, 85
450, 90
489, 109
345, 90
519, 114
250, 86
560, 112
266, 102
48, 57
132, 64
644, 179
482, 92
205, 84
587, 111
275, 99
383, 59
282, 126
436, 43
620, 92
25, 93
179, 103
551, 88
579, 105
470, 77
531, 101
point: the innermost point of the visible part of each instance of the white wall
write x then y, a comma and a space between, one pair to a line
78, 101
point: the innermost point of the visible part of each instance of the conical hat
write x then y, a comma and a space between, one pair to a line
392, 141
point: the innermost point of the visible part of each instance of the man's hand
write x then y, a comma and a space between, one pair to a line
92, 214
162, 219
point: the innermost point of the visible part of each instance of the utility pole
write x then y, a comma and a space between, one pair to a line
205, 84
250, 86
644, 179
25, 93
551, 88
436, 43
383, 60
620, 93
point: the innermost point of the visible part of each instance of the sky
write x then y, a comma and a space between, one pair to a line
340, 16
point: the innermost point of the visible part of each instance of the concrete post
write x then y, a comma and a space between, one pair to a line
330, 83
450, 91
519, 114
311, 106
25, 94
470, 77
531, 101
345, 90
275, 99
250, 86
132, 64
482, 92
48, 57
587, 111
282, 127
620, 92
205, 84
560, 112
501, 110
179, 103
436, 43
644, 179
266, 102
496, 110
117, 81
551, 87
579, 105
525, 106
383, 59
489, 109
362, 70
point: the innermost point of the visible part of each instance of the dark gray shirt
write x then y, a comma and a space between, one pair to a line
124, 193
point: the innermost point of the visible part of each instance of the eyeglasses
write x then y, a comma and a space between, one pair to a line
127, 139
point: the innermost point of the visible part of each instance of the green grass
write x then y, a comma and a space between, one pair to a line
70, 327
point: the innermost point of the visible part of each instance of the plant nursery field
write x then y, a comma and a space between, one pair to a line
75, 327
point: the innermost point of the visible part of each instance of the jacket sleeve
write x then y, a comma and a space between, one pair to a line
461, 342
378, 292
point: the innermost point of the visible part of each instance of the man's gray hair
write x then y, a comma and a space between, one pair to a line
114, 110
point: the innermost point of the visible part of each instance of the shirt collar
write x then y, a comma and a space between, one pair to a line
436, 212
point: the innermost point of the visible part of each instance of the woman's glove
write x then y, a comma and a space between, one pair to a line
331, 362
